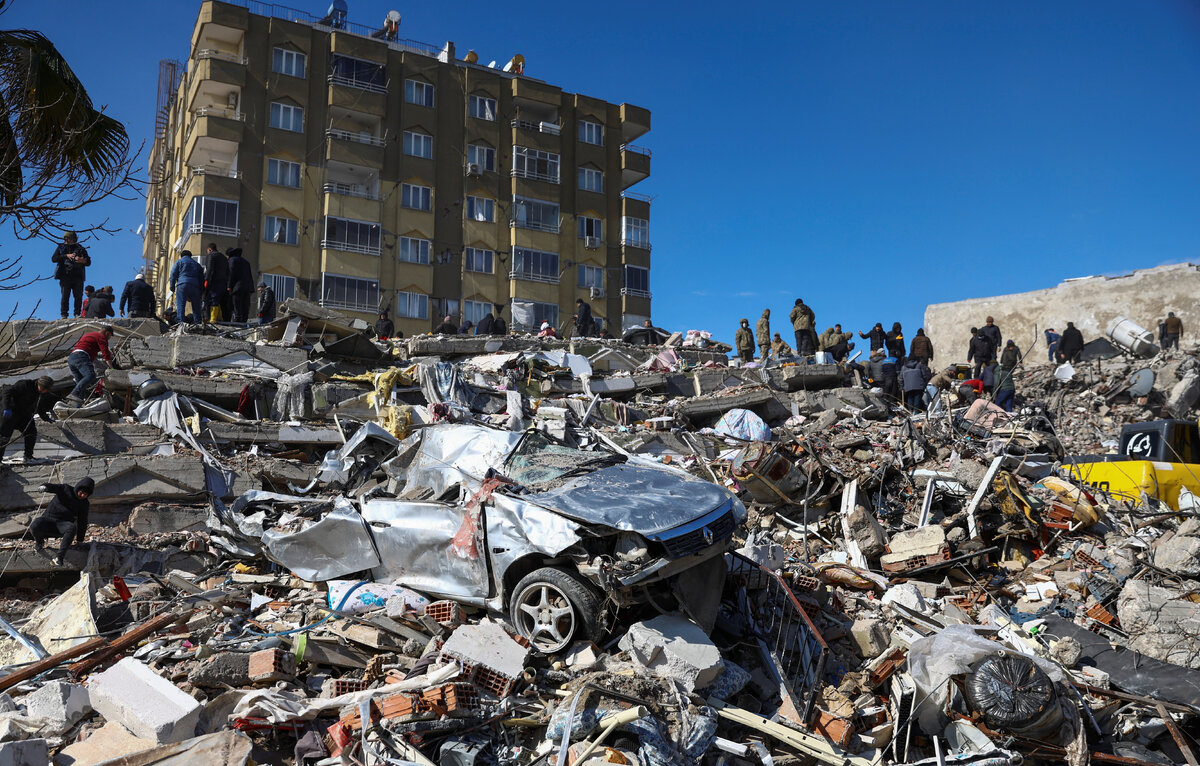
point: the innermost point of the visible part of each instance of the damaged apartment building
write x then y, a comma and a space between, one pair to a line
364, 171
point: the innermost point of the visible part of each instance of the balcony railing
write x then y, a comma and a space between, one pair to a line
220, 111
208, 228
350, 247
215, 170
347, 135
635, 149
634, 195
639, 243
550, 279
272, 10
348, 190
353, 82
553, 228
213, 53
629, 292
371, 307
550, 177
549, 128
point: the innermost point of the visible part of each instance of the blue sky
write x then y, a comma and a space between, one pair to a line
868, 156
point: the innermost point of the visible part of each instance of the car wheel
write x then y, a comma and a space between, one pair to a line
553, 607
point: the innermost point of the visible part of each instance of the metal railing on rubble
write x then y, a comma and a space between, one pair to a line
784, 628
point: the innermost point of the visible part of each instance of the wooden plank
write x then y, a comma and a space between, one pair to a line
53, 661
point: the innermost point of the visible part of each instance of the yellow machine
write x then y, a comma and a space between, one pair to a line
1160, 458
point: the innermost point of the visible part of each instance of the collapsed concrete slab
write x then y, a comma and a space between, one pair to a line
29, 752
145, 703
60, 704
670, 646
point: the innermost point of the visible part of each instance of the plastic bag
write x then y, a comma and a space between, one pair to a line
1011, 691
744, 425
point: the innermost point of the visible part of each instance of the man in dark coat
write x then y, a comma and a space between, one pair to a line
584, 324
499, 326
1070, 345
101, 305
66, 516
241, 284
23, 400
992, 333
216, 283
72, 260
980, 351
921, 347
447, 327
877, 335
895, 341
487, 325
385, 327
266, 303
138, 297
913, 379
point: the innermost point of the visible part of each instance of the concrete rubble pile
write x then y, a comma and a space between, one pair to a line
309, 547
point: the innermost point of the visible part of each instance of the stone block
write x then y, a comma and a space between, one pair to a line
270, 665
922, 541
869, 636
61, 704
1179, 555
29, 752
223, 669
867, 532
150, 706
109, 742
671, 646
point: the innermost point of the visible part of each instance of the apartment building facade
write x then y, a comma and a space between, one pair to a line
366, 172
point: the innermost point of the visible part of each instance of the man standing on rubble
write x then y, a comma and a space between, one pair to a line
877, 335
385, 328
499, 327
82, 362
266, 303
66, 516
895, 342
921, 347
743, 340
22, 401
216, 284
585, 326
1052, 339
803, 320
762, 334
71, 260
447, 327
187, 276
138, 297
780, 347
979, 350
913, 378
992, 333
1011, 356
1070, 345
1174, 331
1006, 386
241, 284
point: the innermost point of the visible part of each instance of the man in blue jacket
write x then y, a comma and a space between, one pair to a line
187, 279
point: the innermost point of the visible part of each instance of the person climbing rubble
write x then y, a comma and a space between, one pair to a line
82, 362
1070, 345
980, 351
66, 516
22, 400
803, 321
743, 340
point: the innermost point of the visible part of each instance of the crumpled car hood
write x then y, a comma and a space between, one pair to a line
634, 498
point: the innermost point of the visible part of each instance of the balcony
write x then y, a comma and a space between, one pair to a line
629, 292
219, 171
635, 164
635, 122
219, 55
349, 190
637, 242
349, 247
352, 82
208, 228
360, 149
329, 303
527, 276
552, 228
535, 176
361, 138
549, 128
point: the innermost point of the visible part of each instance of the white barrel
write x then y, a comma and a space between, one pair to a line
1131, 336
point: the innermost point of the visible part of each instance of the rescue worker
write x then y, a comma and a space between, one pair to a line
1052, 339
266, 303
895, 341
913, 379
241, 284
384, 328
921, 347
992, 333
66, 516
762, 335
101, 304
1174, 331
499, 327
585, 326
1070, 345
187, 279
138, 297
877, 335
447, 327
834, 342
1011, 356
1006, 386
88, 292
82, 362
71, 260
487, 325
979, 350
803, 321
216, 284
23, 400
780, 347
743, 340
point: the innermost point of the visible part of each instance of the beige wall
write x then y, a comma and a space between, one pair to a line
1143, 296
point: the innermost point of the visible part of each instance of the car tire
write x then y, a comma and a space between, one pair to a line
553, 607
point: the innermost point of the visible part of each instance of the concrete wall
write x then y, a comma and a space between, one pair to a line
1144, 296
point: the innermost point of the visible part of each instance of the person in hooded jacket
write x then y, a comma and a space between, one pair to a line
762, 334
216, 284
22, 400
913, 378
980, 351
1070, 345
803, 320
992, 333
66, 516
921, 347
241, 284
895, 341
743, 340
877, 335
1011, 355
384, 328
487, 325
101, 305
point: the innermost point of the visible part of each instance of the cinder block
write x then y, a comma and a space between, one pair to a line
61, 704
147, 704
270, 665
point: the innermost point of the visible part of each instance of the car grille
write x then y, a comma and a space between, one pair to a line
691, 542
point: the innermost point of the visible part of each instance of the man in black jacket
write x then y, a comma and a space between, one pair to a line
1070, 345
584, 325
384, 328
266, 303
138, 297
241, 284
22, 401
980, 351
72, 260
216, 284
66, 516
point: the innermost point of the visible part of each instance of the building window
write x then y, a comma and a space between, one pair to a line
529, 315
481, 209
416, 197
475, 311
590, 227
635, 232
591, 276
206, 215
637, 282
412, 305
281, 231
350, 235
349, 293
284, 287
535, 214
591, 180
417, 92
483, 156
283, 173
591, 132
357, 73
534, 265
478, 260
535, 164
287, 117
288, 62
482, 107
418, 144
413, 250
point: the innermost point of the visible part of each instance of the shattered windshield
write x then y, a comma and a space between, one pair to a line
540, 463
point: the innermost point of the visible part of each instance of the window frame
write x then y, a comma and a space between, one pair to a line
424, 249
411, 89
283, 285
373, 239
635, 232
636, 291
544, 265
408, 295
288, 52
588, 127
409, 140
291, 230
470, 307
193, 224
280, 163
591, 172
291, 109
347, 305
406, 189
374, 81
473, 254
473, 203
586, 222
536, 164
590, 276
473, 98
528, 204
489, 154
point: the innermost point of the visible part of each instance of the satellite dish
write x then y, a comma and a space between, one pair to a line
1141, 383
